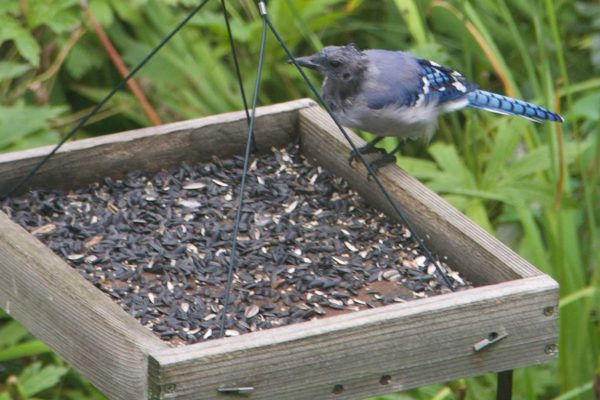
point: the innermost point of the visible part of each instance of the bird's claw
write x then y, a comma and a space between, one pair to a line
376, 165
366, 149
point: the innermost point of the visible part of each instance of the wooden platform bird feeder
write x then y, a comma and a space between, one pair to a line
508, 320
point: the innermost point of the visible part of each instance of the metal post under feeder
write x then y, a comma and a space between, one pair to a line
509, 319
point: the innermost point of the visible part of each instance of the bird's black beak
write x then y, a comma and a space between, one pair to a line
308, 62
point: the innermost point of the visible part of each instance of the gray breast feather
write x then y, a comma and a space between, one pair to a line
406, 122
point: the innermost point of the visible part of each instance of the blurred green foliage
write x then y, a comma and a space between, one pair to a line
534, 186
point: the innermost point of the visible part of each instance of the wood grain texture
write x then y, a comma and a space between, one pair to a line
152, 149
75, 319
417, 343
469, 248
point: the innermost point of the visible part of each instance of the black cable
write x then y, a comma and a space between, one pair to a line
98, 106
362, 159
238, 215
235, 60
237, 69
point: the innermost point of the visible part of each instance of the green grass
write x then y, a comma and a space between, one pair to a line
537, 187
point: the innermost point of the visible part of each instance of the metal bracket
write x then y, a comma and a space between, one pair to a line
236, 390
491, 339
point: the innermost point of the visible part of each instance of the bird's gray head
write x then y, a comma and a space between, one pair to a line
339, 63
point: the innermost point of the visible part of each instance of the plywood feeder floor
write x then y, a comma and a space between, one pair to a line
352, 355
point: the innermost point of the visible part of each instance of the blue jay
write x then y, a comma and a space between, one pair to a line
394, 93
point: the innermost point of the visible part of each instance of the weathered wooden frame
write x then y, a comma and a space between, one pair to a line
349, 356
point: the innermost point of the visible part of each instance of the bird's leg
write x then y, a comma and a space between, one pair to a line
386, 159
366, 149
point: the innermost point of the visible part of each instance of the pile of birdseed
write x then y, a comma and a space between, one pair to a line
308, 247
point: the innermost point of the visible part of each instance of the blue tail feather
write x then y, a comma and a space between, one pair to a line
507, 105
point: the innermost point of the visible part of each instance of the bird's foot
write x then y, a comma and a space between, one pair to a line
381, 162
366, 149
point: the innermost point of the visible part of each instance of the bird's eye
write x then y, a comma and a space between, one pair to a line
335, 63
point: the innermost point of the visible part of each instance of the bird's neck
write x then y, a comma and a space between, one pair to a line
338, 93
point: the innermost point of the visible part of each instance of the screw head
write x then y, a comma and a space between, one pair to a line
337, 389
551, 348
549, 311
170, 388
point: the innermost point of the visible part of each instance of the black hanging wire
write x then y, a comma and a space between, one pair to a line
235, 61
372, 173
238, 215
105, 100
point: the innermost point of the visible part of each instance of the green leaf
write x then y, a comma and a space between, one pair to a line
459, 202
35, 379
102, 12
577, 392
20, 120
448, 160
413, 19
454, 176
586, 107
526, 192
9, 7
83, 58
25, 349
476, 18
27, 46
420, 168
129, 10
503, 149
11, 333
10, 70
44, 137
537, 160
121, 102
476, 211
456, 189
582, 293
532, 243
59, 15
63, 22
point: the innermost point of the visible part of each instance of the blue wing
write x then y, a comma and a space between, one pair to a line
441, 84
395, 81
407, 81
